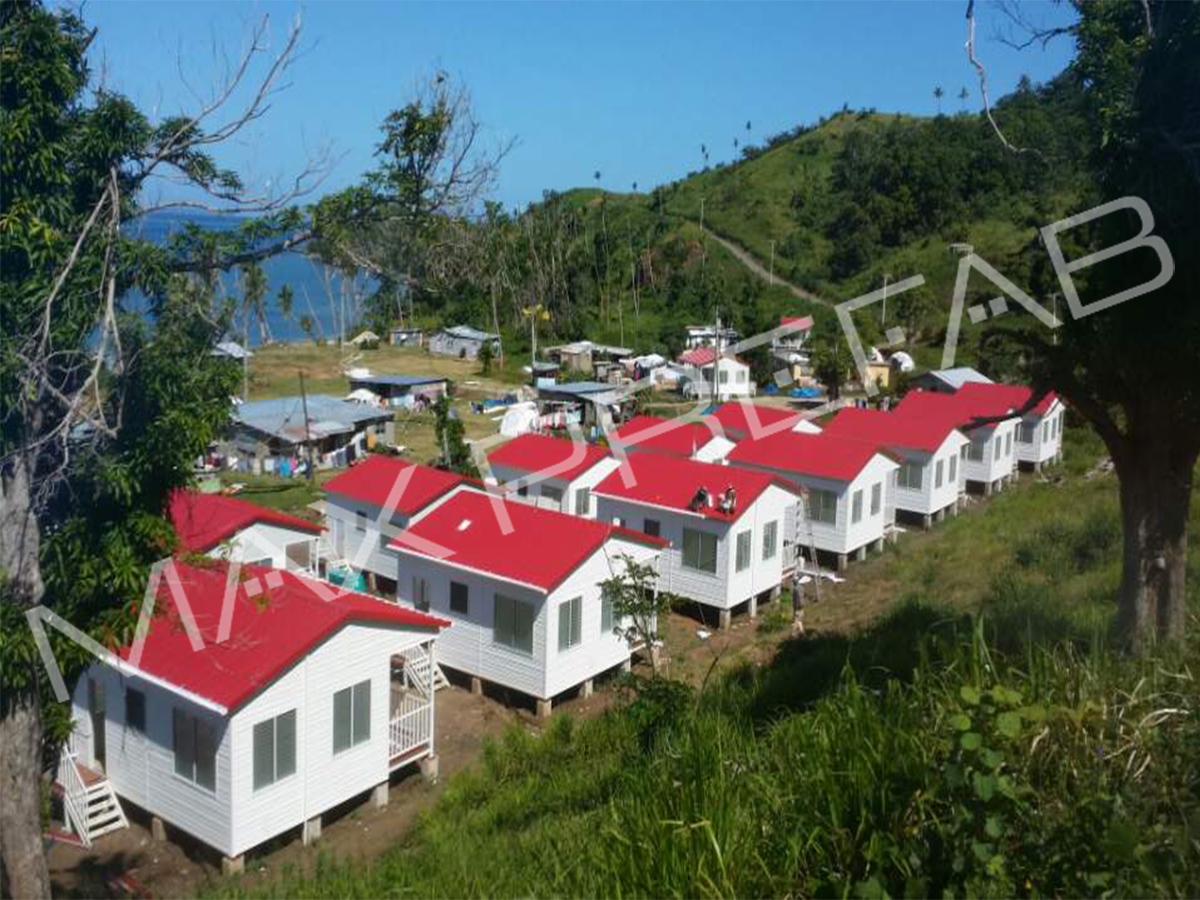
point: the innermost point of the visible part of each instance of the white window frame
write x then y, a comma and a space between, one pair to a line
876, 498
743, 550
700, 538
518, 608
856, 507
770, 545
570, 624
280, 760
187, 728
358, 696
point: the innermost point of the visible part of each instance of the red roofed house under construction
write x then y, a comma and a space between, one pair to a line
690, 440
230, 528
359, 527
522, 586
929, 450
1039, 431
308, 701
576, 468
725, 526
850, 488
990, 459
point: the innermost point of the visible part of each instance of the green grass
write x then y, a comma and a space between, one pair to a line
989, 743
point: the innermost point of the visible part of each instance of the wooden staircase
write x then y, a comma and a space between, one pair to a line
90, 805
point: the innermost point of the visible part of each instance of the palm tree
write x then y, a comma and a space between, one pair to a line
938, 93
635, 187
962, 97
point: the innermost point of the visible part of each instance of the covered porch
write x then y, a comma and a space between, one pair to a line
411, 704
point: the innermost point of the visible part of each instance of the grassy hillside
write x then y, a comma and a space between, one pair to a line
980, 737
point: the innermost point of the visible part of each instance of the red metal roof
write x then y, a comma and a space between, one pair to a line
680, 438
954, 409
204, 520
537, 452
661, 480
736, 416
271, 628
702, 356
372, 481
541, 550
891, 429
819, 455
996, 399
791, 320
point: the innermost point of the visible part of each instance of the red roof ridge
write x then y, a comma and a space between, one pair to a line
204, 520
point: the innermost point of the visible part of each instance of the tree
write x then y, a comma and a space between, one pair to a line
636, 603
485, 358
1129, 370
455, 455
962, 97
938, 93
102, 411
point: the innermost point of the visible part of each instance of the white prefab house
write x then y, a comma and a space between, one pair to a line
359, 529
522, 586
725, 526
690, 440
235, 739
228, 528
990, 459
564, 471
720, 376
929, 452
1038, 431
741, 420
849, 486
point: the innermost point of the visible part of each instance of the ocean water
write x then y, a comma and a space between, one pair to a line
310, 294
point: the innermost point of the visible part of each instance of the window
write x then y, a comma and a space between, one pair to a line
652, 528
583, 502
975, 451
352, 716
741, 376
513, 625
938, 472
742, 559
523, 490
699, 550
856, 507
570, 624
553, 494
606, 616
770, 540
910, 476
360, 521
1046, 430
724, 376
996, 448
265, 561
954, 470
1008, 444
384, 538
876, 498
421, 594
822, 506
1058, 425
1025, 433
274, 749
135, 710
459, 599
195, 749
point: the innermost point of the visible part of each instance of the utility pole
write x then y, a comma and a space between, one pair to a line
533, 313
772, 262
307, 433
703, 242
883, 317
1054, 299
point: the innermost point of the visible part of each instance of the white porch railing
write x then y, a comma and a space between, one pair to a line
410, 727
74, 795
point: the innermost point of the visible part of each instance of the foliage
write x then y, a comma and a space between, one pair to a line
636, 602
455, 455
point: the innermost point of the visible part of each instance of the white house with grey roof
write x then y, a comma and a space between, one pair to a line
462, 341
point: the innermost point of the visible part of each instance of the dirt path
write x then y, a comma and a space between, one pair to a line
743, 256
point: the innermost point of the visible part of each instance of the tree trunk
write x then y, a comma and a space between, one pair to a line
1156, 491
24, 862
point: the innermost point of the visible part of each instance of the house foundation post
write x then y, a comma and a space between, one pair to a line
926, 521
723, 619
545, 708
233, 865
776, 593
956, 507
476, 685
843, 561
379, 795
429, 768
861, 553
370, 579
879, 546
987, 489
627, 667
158, 829
752, 607
587, 688
311, 832
941, 515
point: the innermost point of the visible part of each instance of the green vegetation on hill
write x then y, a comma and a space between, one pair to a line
980, 739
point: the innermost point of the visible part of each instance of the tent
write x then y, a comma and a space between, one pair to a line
362, 395
519, 419
902, 361
366, 337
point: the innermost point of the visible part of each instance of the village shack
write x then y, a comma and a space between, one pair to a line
401, 390
407, 337
462, 342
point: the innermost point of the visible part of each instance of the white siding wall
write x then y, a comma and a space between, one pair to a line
142, 768
356, 653
762, 574
341, 517
262, 541
468, 645
930, 498
598, 651
991, 469
588, 479
1044, 446
843, 536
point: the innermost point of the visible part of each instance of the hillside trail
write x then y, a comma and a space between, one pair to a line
743, 256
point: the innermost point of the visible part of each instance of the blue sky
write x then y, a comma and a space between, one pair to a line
629, 89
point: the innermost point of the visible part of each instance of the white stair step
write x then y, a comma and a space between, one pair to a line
105, 829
